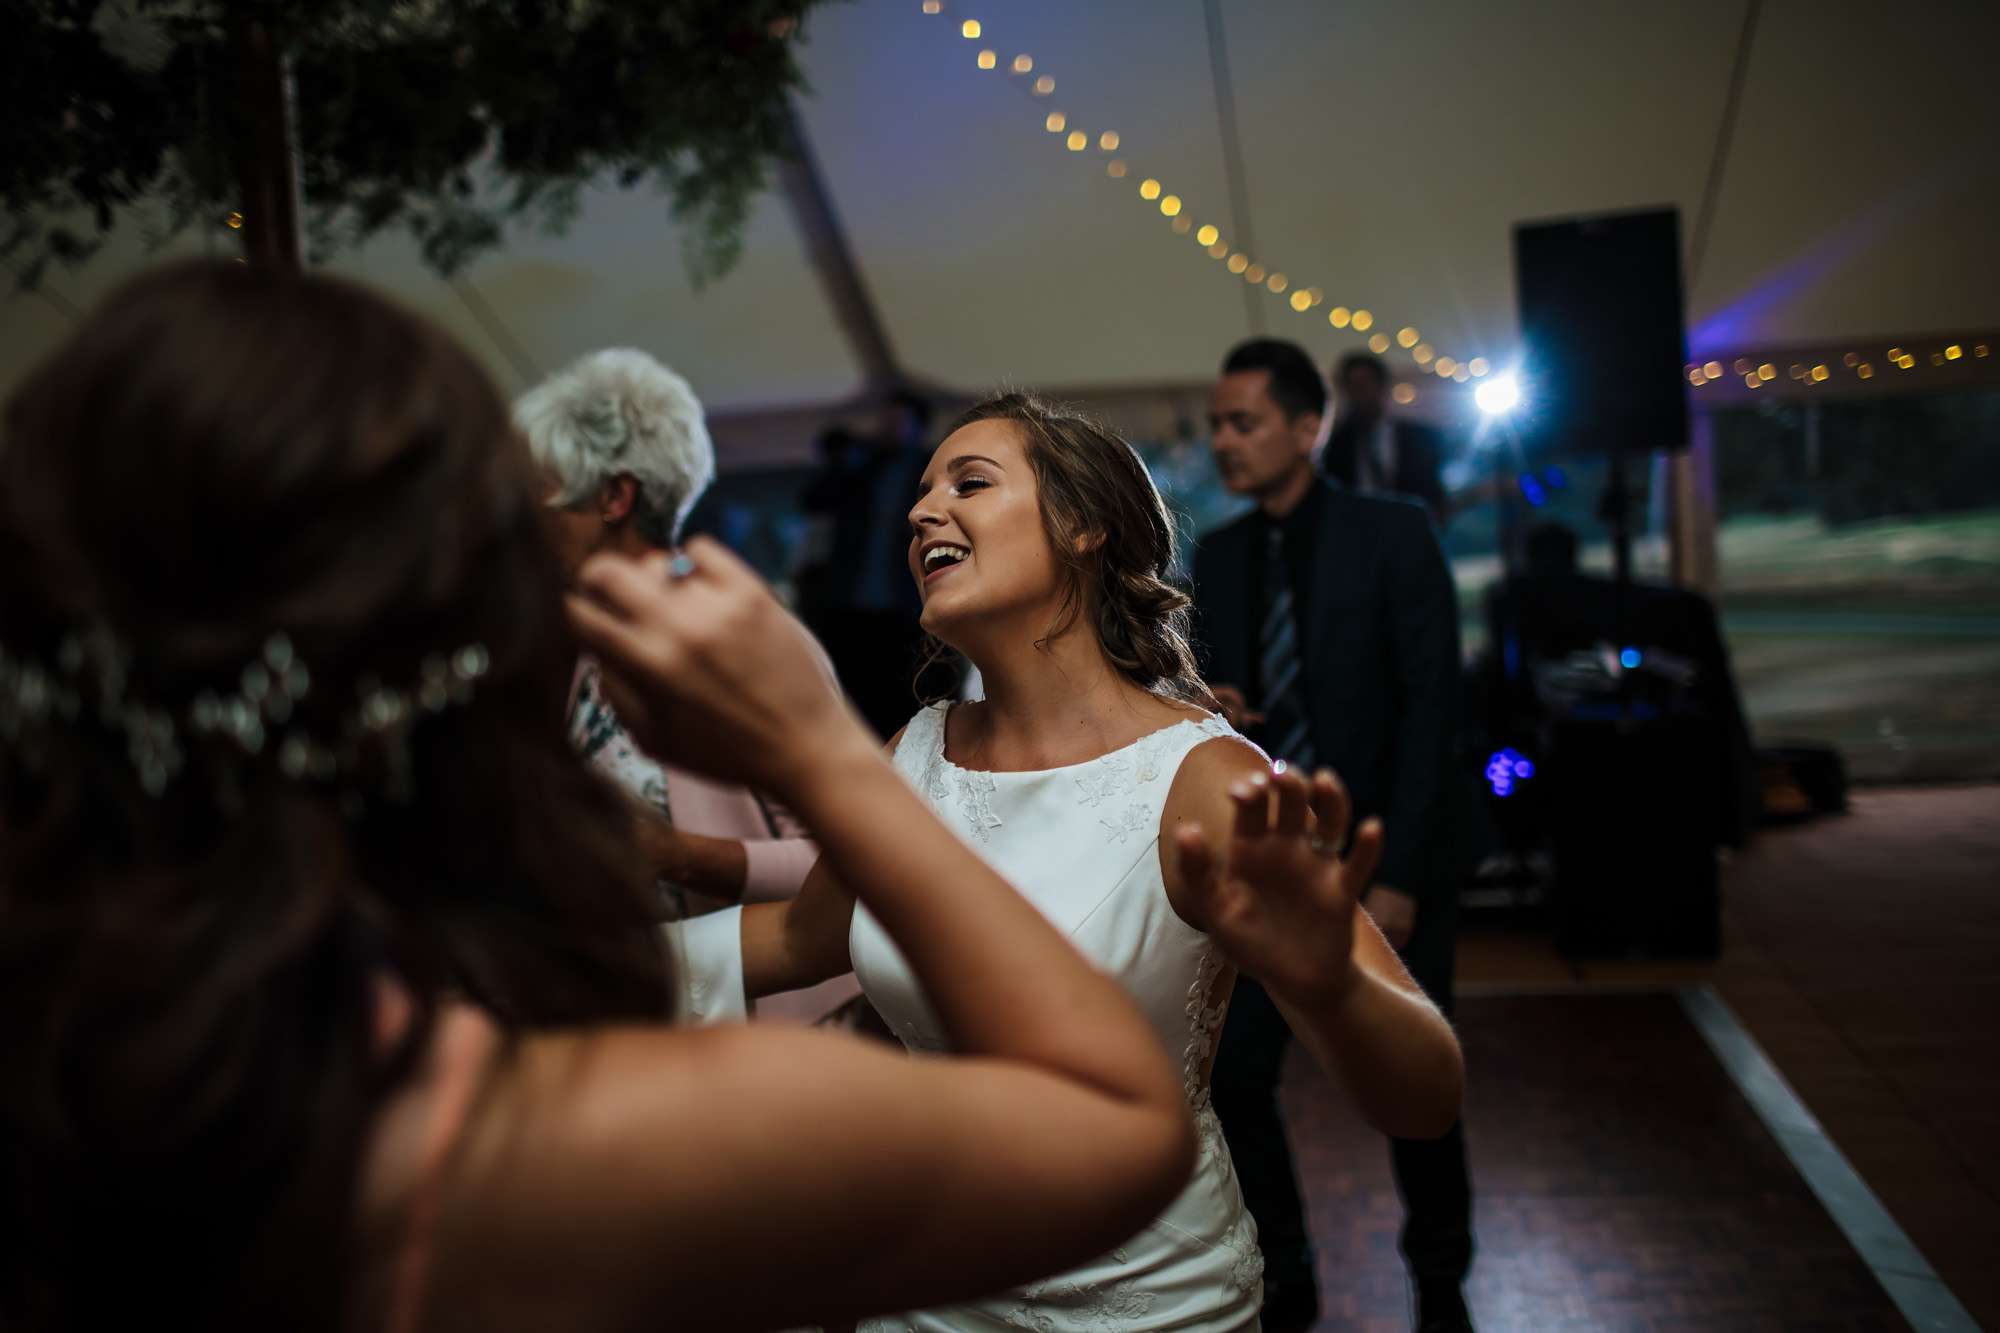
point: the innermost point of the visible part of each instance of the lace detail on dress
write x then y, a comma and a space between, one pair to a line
1248, 1269
939, 781
1125, 774
1106, 1306
1204, 1021
975, 802
1132, 819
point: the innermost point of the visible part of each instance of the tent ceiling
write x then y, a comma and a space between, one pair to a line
1387, 150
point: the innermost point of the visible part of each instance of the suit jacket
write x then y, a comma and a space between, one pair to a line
1419, 460
1379, 648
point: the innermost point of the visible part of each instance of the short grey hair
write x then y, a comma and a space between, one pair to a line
616, 413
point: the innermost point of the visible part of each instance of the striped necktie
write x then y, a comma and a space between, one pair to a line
1287, 725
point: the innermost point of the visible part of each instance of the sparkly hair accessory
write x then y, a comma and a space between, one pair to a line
91, 675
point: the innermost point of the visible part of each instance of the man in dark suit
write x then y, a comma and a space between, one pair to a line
1376, 454
1328, 626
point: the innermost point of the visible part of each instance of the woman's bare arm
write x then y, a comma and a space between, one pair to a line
1241, 862
759, 1177
764, 1178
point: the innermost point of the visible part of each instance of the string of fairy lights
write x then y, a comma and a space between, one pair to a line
1853, 364
1303, 299
1753, 373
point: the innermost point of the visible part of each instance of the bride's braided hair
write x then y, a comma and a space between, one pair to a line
1113, 538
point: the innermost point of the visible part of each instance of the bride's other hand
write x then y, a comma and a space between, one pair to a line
1285, 907
707, 669
1282, 901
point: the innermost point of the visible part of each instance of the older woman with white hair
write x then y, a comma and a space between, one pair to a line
627, 454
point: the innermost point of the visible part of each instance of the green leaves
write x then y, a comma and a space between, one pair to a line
449, 120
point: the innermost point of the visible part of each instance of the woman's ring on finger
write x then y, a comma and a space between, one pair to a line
680, 567
1321, 847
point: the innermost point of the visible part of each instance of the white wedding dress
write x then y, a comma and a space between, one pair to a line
1082, 844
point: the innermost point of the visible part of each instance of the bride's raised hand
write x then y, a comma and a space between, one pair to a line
1283, 902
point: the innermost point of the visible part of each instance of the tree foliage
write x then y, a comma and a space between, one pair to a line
444, 117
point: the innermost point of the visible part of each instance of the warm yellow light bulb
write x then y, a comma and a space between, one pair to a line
970, 28
1743, 366
1302, 300
1980, 349
1895, 354
1277, 283
1339, 316
1378, 343
1404, 394
1078, 141
1115, 170
1218, 250
933, 6
1753, 381
1406, 337
1315, 295
1480, 367
1713, 370
1423, 352
1207, 235
988, 59
1767, 372
235, 221
1461, 374
1022, 64
1362, 319
1953, 352
1149, 188
1056, 122
1171, 205
1108, 141
1445, 365
1182, 226
1238, 262
1819, 374
1695, 377
1865, 371
1044, 86
1254, 274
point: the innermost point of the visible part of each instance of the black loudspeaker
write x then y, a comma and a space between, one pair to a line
1602, 333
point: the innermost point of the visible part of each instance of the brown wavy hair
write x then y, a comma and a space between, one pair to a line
219, 453
1113, 538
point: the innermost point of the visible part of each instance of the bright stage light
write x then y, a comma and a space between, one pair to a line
1497, 395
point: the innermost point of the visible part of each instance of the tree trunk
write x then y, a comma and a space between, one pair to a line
265, 168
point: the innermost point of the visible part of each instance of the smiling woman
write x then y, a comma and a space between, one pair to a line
1159, 843
1088, 484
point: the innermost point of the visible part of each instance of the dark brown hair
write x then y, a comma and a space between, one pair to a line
1113, 539
220, 453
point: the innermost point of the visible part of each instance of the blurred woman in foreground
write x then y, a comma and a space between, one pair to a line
334, 995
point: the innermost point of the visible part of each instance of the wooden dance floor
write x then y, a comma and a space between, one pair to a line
1623, 1183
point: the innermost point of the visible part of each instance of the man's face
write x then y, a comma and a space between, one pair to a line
1256, 448
1361, 391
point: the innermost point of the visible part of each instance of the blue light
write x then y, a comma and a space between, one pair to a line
1506, 770
1555, 479
1532, 489
1630, 659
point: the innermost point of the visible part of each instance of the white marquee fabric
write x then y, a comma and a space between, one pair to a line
1387, 149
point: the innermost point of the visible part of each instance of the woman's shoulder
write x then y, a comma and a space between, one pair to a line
1219, 757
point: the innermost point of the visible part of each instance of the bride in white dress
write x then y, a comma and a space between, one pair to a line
1158, 840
